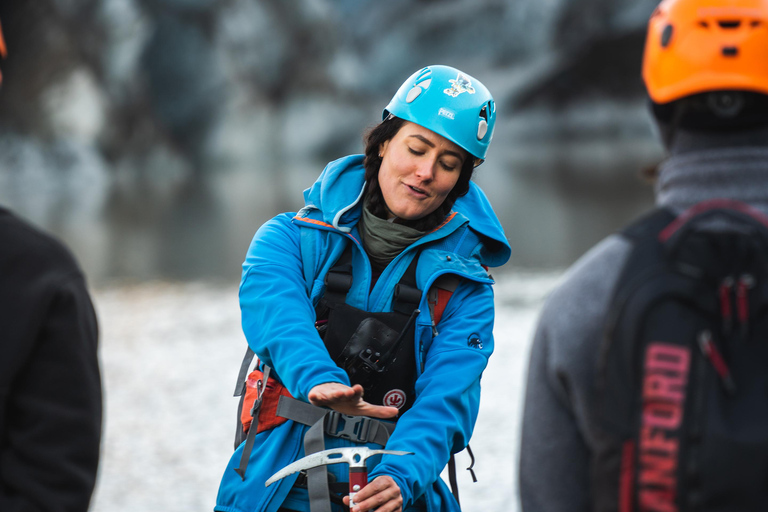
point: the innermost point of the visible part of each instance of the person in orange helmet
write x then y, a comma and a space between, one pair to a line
50, 385
646, 381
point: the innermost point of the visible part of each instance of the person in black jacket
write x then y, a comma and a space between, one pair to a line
50, 387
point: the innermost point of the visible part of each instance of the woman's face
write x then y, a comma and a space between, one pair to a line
418, 170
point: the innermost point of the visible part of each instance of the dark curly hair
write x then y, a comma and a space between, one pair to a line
377, 136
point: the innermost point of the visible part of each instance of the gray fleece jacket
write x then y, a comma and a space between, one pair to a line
557, 435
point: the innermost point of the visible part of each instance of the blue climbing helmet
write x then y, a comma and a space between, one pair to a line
450, 103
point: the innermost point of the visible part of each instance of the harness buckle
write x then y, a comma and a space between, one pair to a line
352, 428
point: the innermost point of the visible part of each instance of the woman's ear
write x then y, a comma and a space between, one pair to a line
383, 147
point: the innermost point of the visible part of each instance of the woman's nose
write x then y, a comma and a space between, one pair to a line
425, 170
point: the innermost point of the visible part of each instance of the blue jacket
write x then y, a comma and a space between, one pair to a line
282, 281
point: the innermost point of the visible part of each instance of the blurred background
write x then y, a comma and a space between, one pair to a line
155, 136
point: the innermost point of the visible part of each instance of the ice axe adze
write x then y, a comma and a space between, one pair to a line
354, 456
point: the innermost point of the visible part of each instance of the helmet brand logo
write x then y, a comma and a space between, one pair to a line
444, 112
461, 84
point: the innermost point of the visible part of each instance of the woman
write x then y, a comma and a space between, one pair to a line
339, 302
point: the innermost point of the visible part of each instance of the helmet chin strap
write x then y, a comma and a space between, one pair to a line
391, 217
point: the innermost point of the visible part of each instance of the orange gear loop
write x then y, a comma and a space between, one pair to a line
696, 46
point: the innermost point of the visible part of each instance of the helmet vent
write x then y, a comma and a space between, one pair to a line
423, 73
422, 82
729, 24
484, 112
413, 94
666, 35
730, 51
482, 129
482, 126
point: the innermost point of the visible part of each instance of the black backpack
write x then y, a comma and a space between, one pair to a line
682, 380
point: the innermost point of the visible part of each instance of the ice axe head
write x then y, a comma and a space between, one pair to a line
354, 456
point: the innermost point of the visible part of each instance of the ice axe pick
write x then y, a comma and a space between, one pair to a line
354, 456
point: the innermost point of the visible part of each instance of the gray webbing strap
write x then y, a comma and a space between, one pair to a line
324, 421
317, 477
301, 412
374, 431
243, 373
254, 425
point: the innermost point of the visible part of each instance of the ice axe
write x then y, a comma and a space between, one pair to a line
354, 456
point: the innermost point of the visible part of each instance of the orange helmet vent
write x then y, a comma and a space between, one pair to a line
695, 46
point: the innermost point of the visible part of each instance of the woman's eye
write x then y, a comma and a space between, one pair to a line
415, 152
447, 166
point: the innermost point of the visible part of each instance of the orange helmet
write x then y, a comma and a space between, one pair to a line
696, 46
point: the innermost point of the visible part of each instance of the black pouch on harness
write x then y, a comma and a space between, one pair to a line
682, 403
363, 355
375, 349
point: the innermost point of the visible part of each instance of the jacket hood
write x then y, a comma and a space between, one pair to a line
337, 192
337, 196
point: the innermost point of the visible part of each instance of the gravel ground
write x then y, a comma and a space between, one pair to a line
170, 354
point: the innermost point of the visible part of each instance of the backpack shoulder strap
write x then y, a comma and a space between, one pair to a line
649, 225
308, 247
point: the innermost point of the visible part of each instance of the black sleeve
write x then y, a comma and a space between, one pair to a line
53, 413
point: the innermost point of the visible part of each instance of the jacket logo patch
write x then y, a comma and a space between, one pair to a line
474, 341
395, 398
461, 84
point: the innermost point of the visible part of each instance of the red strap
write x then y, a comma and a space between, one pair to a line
268, 417
443, 296
703, 206
710, 350
627, 476
725, 299
742, 291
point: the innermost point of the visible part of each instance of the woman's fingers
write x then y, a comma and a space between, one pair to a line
383, 495
348, 400
332, 393
374, 411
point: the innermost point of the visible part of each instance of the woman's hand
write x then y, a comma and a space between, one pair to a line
383, 495
348, 400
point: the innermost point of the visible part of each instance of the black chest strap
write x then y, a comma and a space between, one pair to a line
338, 282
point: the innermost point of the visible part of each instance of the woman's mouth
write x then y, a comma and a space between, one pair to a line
417, 190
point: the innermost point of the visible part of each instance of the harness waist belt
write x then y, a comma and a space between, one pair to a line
360, 429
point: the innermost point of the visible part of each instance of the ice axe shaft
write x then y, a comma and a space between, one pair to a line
354, 456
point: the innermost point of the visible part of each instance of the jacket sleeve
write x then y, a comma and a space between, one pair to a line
53, 412
557, 430
277, 314
447, 393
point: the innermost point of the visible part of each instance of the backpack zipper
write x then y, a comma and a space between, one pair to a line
710, 351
